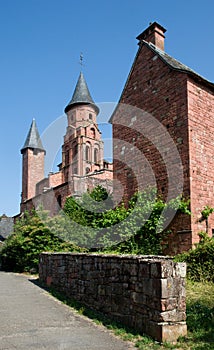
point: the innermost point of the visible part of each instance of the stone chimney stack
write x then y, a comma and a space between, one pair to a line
153, 34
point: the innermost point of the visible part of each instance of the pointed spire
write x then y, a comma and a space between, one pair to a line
81, 95
33, 139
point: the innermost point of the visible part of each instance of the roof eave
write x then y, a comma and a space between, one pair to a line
186, 71
81, 103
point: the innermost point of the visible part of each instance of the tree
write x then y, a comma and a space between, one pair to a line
20, 251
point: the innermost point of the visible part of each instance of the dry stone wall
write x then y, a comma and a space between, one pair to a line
143, 292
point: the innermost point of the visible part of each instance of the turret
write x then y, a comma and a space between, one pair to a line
33, 154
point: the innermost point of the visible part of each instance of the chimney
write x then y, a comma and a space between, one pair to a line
153, 34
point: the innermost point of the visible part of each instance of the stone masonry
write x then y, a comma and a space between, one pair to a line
143, 292
181, 101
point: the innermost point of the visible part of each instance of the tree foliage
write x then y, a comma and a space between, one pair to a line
20, 251
91, 221
200, 260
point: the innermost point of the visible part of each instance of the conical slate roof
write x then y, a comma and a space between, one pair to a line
81, 95
33, 139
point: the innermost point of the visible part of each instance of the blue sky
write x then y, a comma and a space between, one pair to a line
41, 41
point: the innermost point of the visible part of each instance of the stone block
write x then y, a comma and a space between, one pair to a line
171, 332
155, 270
168, 304
144, 270
179, 270
166, 269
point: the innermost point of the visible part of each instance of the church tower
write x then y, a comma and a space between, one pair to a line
33, 155
82, 151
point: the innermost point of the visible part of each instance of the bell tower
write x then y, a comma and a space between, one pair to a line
82, 151
33, 155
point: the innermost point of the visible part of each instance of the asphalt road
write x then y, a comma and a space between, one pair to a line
32, 319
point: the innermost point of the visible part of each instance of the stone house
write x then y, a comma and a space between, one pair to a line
163, 134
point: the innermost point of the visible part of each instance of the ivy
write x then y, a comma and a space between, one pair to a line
206, 212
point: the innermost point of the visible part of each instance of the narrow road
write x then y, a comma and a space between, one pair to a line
32, 319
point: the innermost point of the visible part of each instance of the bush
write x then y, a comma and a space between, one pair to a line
20, 251
94, 222
91, 222
137, 229
200, 261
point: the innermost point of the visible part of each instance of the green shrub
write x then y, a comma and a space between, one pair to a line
200, 260
137, 229
91, 222
20, 251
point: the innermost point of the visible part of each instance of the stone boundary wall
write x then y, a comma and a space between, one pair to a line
143, 292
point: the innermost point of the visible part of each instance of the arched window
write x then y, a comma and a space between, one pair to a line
90, 116
87, 170
95, 155
87, 153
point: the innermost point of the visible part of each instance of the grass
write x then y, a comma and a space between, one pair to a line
200, 320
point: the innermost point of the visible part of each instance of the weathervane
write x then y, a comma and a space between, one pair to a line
81, 60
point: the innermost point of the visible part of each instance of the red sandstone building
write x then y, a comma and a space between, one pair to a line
163, 132
165, 106
83, 166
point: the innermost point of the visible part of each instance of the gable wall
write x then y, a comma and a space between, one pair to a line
161, 94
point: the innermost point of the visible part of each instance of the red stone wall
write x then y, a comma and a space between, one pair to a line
51, 199
55, 179
32, 172
201, 141
147, 158
185, 109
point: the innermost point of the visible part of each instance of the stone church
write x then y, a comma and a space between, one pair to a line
163, 131
83, 166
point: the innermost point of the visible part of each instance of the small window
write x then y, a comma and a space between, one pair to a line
87, 170
90, 116
87, 153
95, 155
